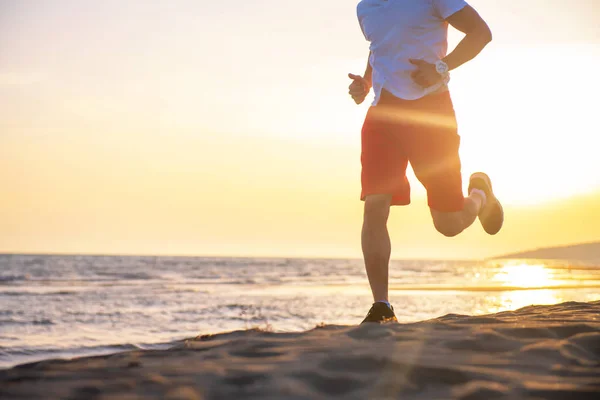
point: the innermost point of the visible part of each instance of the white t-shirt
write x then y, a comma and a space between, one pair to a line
400, 30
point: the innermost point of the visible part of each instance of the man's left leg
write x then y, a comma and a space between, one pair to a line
450, 224
433, 151
481, 203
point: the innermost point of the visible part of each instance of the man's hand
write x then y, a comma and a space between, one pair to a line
426, 74
359, 88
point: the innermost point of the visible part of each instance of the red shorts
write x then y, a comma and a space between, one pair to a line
422, 132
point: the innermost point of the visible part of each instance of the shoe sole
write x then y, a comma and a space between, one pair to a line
491, 227
484, 177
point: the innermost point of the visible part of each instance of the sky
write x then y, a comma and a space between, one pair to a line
225, 128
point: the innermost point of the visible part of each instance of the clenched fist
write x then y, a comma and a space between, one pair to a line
359, 88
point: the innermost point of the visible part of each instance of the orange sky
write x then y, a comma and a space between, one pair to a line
225, 129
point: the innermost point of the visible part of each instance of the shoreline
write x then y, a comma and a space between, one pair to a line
537, 351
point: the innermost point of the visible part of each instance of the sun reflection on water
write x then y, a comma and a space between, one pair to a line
519, 277
515, 299
524, 276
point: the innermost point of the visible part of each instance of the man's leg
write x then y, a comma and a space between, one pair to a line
451, 224
376, 244
481, 203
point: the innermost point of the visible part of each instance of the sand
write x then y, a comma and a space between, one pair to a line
538, 352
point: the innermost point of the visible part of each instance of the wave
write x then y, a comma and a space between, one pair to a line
23, 357
30, 293
14, 278
128, 275
452, 288
41, 321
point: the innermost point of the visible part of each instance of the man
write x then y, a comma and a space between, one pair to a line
412, 120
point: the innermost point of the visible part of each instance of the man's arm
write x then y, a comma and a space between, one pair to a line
361, 85
477, 36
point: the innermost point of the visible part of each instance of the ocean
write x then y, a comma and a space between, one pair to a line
67, 306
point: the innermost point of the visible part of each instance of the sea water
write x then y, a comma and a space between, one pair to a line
66, 306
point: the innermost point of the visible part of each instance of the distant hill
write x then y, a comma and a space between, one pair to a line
584, 252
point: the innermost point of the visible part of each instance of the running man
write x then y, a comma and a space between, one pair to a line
412, 120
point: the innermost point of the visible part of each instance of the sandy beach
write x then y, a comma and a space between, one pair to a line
538, 352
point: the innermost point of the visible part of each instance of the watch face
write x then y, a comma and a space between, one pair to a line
441, 67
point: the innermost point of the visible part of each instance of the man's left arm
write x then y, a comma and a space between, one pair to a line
477, 36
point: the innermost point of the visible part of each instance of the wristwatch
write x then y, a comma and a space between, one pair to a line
441, 68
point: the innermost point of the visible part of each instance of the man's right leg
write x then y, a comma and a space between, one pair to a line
383, 171
376, 250
376, 244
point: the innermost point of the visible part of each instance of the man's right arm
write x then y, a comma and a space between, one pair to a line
361, 85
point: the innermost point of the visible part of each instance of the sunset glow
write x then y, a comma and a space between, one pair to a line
163, 128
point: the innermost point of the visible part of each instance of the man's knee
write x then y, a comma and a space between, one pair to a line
377, 207
448, 224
